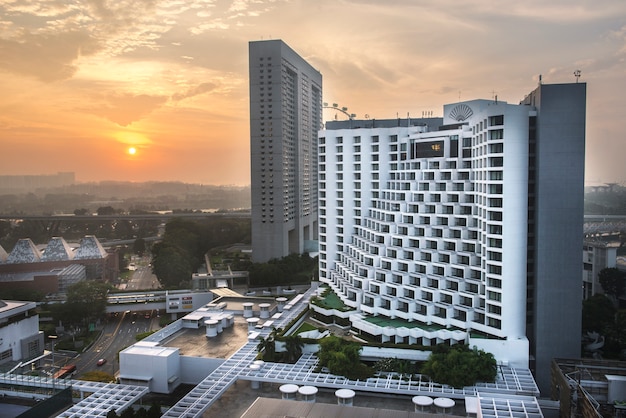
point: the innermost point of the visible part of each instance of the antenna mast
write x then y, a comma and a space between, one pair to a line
577, 75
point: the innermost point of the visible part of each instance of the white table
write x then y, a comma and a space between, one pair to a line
308, 393
344, 396
445, 404
288, 390
422, 402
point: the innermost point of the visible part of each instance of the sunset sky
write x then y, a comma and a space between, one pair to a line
82, 81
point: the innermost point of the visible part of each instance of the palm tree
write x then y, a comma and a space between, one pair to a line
267, 346
293, 348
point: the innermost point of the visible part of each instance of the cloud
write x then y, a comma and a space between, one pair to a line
194, 91
467, 10
48, 57
124, 109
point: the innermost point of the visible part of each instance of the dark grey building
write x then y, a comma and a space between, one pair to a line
555, 212
285, 116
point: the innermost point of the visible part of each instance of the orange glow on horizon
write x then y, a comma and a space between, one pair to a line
132, 139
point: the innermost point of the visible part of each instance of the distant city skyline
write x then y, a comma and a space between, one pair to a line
83, 84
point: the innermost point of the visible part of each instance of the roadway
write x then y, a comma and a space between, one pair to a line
118, 333
120, 328
143, 279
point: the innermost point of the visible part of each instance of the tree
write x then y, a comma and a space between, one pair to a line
294, 268
128, 413
170, 264
615, 341
293, 348
81, 212
87, 300
400, 366
185, 243
613, 282
342, 358
105, 210
459, 366
267, 346
154, 411
139, 246
598, 313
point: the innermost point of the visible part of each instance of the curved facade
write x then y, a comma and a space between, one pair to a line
429, 232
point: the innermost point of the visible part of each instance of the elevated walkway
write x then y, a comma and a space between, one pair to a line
201, 397
102, 398
516, 384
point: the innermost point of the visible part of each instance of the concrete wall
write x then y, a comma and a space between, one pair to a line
195, 369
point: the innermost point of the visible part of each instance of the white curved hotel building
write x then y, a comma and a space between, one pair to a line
461, 229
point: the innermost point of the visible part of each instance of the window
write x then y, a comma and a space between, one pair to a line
495, 242
496, 120
495, 216
495, 256
494, 323
494, 296
494, 269
496, 134
494, 309
495, 229
492, 282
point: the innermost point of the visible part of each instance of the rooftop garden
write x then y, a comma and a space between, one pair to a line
330, 300
383, 321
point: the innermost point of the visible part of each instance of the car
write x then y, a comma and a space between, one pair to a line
101, 362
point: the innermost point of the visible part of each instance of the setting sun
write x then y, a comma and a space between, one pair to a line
132, 150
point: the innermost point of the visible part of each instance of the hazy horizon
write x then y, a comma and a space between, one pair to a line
83, 82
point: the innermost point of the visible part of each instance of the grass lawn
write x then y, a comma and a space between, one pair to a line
305, 327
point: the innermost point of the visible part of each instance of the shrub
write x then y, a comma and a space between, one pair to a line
342, 358
459, 366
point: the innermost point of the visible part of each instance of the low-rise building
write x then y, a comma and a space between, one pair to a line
20, 338
598, 254
57, 266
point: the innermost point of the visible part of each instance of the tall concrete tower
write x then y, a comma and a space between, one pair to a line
285, 117
556, 214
